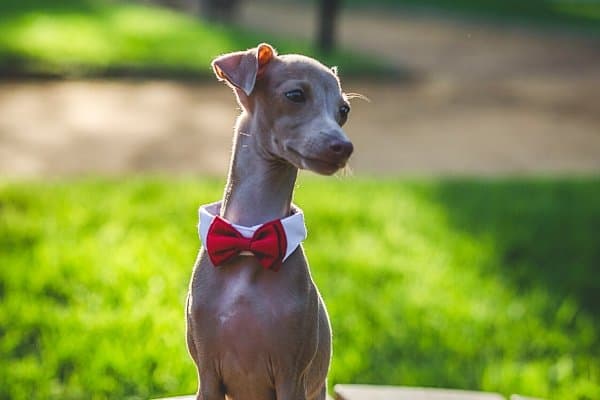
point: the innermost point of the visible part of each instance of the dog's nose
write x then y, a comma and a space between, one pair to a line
341, 148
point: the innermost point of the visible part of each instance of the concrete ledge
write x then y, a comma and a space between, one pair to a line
193, 397
372, 392
364, 392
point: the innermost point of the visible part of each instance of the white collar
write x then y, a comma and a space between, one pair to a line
295, 230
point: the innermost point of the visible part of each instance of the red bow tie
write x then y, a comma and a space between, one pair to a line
268, 243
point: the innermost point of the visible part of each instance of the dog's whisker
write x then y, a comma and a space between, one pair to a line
345, 172
352, 95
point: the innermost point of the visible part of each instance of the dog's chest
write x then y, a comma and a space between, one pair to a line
248, 301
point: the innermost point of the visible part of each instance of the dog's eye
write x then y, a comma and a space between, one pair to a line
344, 111
296, 95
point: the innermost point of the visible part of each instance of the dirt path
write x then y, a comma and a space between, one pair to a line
491, 100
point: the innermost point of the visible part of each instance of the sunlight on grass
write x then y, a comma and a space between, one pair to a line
456, 284
120, 36
72, 38
85, 38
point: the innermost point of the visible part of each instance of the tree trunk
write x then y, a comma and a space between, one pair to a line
219, 10
328, 12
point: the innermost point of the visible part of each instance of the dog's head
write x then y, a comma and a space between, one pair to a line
296, 102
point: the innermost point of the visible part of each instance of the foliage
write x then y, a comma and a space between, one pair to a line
90, 38
453, 283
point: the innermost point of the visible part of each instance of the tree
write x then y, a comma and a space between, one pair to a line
219, 10
328, 13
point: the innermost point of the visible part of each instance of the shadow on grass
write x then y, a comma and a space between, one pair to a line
547, 234
583, 15
12, 8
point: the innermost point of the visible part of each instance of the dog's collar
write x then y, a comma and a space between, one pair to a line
293, 226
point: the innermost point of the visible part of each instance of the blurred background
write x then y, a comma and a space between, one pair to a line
476, 183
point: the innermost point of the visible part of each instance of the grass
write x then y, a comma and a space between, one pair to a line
462, 284
580, 14
79, 38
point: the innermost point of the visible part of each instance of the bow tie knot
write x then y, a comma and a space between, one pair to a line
268, 244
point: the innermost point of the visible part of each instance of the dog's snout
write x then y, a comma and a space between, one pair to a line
341, 147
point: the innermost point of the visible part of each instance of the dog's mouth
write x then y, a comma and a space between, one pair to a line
315, 164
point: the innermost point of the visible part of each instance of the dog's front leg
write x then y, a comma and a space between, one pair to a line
291, 389
211, 387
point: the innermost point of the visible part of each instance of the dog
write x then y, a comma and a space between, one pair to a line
257, 327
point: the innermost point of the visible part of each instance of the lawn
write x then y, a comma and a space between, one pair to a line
80, 38
578, 14
447, 283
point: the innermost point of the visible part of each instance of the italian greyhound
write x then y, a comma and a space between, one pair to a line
257, 327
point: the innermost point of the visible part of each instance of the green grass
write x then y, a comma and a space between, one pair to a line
77, 38
581, 14
462, 284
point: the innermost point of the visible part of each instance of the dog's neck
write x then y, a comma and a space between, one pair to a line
259, 188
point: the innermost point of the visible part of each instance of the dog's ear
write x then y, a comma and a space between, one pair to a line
242, 68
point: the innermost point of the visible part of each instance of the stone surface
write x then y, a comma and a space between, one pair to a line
368, 392
363, 392
192, 397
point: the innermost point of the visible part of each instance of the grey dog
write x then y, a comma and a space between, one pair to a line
257, 333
